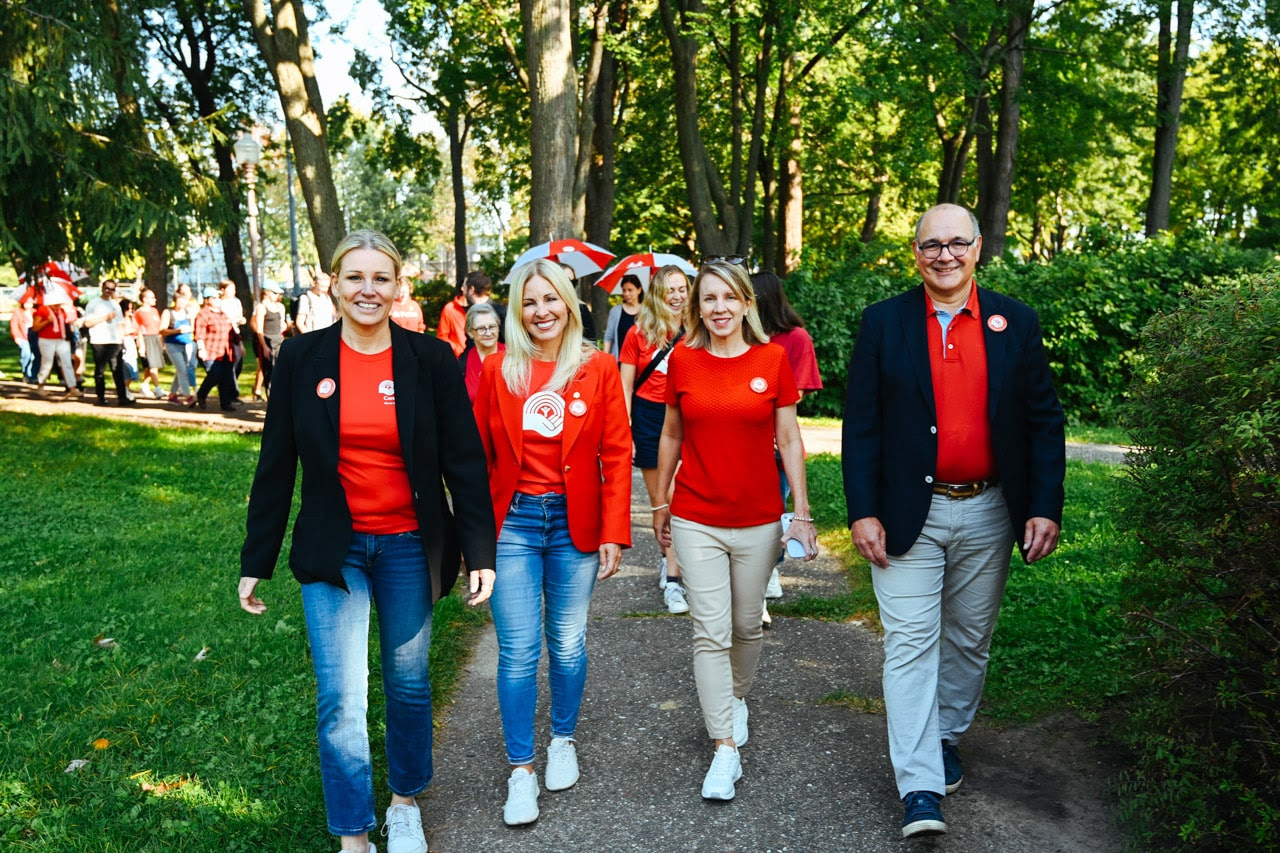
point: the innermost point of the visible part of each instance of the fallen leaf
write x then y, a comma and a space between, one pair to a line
104, 642
101, 743
76, 765
202, 654
165, 787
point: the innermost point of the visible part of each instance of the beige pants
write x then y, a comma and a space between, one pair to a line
725, 570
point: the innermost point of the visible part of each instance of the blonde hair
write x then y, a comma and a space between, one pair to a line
734, 275
366, 238
656, 321
517, 367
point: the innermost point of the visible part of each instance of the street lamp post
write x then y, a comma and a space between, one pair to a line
249, 154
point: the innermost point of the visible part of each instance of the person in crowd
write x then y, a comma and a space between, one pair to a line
79, 342
730, 400
554, 427
234, 309
270, 324
177, 323
49, 322
483, 324
477, 289
405, 311
315, 307
104, 320
953, 446
152, 353
786, 329
646, 353
131, 346
378, 418
452, 326
623, 315
216, 349
19, 330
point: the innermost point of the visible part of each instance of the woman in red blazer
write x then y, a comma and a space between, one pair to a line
554, 427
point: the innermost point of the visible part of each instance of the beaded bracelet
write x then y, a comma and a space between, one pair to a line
656, 508
802, 518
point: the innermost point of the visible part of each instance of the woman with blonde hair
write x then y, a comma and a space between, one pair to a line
554, 428
730, 398
645, 353
377, 416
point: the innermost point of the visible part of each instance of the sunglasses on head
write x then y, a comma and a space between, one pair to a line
733, 260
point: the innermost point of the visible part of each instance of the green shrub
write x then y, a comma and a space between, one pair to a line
1204, 499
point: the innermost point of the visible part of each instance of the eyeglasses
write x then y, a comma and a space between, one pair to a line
733, 260
485, 330
956, 248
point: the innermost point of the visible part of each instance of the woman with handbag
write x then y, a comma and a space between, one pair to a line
643, 367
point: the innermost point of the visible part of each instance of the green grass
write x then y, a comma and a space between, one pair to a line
130, 533
1097, 435
1058, 641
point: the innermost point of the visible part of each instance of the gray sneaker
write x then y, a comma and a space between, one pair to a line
522, 798
774, 587
562, 764
403, 830
673, 595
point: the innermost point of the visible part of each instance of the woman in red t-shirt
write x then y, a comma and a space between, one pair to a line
377, 416
554, 427
152, 351
730, 398
649, 344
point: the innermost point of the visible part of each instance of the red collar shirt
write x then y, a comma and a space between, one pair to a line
958, 365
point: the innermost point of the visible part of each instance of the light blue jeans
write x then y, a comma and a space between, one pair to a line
391, 571
182, 369
938, 604
538, 566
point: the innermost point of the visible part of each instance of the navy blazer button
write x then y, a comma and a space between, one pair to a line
933, 429
928, 479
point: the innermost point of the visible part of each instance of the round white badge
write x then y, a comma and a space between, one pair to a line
997, 323
759, 385
325, 388
577, 408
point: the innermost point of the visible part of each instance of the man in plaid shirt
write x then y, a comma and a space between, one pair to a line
216, 352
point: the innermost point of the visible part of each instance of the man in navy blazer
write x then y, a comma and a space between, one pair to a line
953, 449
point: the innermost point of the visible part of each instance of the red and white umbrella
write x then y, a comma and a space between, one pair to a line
642, 267
583, 258
57, 287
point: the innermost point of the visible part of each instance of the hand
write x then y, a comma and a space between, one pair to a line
662, 527
610, 560
1040, 538
806, 534
868, 536
481, 586
249, 602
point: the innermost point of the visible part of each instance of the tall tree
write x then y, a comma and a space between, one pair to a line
553, 118
281, 33
1171, 74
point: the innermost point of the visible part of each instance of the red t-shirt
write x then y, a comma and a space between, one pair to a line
148, 320
801, 357
959, 371
370, 460
727, 475
543, 425
638, 353
452, 328
57, 327
407, 314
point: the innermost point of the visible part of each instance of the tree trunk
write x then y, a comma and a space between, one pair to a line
457, 144
553, 118
998, 186
282, 39
871, 219
601, 178
791, 195
1171, 73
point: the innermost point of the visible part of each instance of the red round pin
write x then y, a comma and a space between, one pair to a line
997, 323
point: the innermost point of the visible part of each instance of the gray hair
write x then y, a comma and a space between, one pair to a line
977, 232
476, 311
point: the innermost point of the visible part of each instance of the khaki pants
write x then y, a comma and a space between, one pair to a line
724, 571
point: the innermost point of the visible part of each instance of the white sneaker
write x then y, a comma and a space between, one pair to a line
662, 575
522, 798
740, 733
726, 768
673, 595
562, 764
403, 830
774, 589
373, 848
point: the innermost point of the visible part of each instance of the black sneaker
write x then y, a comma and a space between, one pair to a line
922, 815
952, 769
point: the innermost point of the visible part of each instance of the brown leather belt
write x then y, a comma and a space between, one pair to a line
960, 491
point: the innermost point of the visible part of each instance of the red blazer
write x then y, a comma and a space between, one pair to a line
595, 447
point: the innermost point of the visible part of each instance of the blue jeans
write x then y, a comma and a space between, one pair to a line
391, 570
27, 360
538, 564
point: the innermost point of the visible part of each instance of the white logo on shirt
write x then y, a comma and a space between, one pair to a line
544, 414
387, 388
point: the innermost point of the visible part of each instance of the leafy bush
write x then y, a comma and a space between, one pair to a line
1092, 304
1204, 499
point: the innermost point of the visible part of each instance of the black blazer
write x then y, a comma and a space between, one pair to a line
890, 440
439, 440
